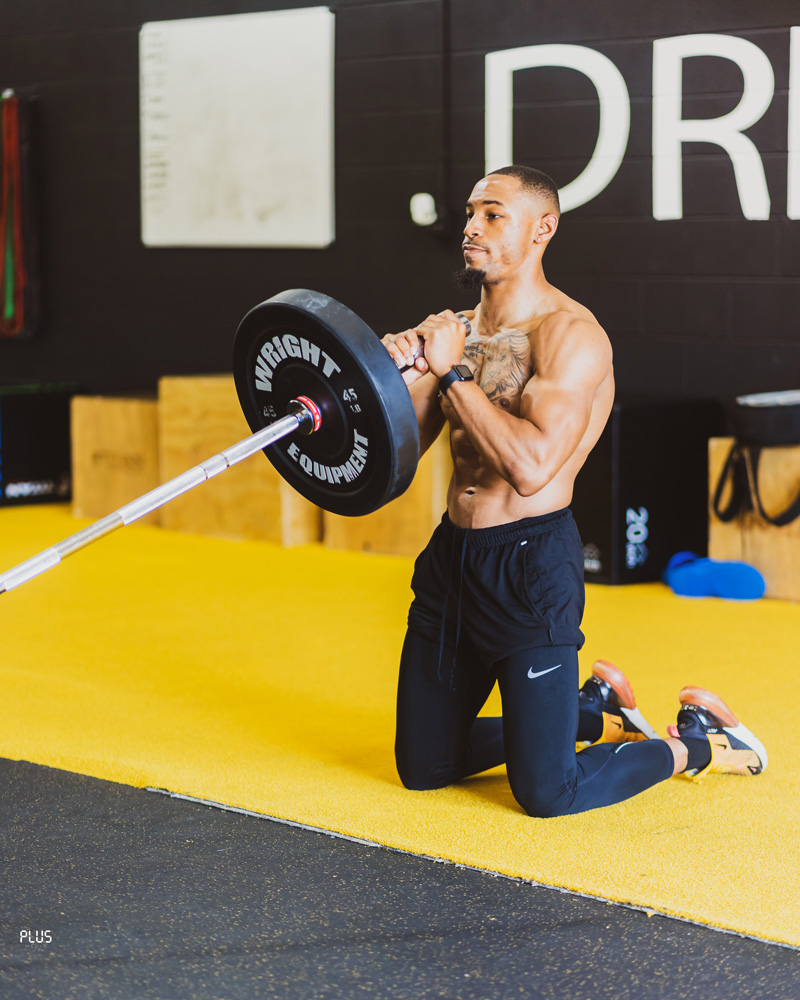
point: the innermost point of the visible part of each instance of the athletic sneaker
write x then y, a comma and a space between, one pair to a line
608, 692
734, 749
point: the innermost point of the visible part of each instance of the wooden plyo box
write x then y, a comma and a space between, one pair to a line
403, 526
775, 552
114, 453
199, 416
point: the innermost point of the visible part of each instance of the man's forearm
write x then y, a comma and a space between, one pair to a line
425, 397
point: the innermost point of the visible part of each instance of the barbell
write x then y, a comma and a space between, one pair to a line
302, 362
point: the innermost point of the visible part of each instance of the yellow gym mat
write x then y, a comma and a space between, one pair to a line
264, 678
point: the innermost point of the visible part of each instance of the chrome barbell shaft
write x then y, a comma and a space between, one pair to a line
151, 501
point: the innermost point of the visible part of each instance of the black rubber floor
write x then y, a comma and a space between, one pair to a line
114, 892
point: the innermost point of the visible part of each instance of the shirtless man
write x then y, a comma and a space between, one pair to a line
498, 591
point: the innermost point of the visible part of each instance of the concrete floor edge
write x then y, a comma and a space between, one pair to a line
484, 871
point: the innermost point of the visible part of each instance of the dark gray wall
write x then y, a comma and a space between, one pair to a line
706, 305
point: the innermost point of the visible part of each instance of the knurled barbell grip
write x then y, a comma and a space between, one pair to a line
302, 417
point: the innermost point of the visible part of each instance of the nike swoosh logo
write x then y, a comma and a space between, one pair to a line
531, 674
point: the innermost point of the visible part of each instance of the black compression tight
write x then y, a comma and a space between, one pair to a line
440, 739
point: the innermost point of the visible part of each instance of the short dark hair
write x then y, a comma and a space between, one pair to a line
537, 182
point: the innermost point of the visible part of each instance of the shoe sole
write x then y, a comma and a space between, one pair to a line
636, 717
714, 704
711, 702
751, 740
619, 683
613, 676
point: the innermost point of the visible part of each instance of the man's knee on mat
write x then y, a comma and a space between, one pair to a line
540, 801
420, 774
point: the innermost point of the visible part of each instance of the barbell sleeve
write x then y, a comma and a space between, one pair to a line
302, 416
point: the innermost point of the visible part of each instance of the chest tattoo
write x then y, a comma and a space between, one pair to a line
502, 364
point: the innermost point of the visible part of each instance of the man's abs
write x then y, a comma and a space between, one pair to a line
478, 497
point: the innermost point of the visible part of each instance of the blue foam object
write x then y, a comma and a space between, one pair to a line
690, 576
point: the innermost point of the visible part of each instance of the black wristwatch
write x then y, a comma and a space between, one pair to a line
458, 373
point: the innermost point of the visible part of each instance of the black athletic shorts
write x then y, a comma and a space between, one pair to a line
509, 587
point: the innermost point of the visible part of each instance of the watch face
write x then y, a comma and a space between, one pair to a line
464, 371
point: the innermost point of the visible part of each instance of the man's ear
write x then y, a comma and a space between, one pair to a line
546, 228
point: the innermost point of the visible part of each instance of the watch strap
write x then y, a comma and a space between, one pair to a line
454, 375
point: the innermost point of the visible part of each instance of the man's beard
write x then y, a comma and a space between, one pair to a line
469, 279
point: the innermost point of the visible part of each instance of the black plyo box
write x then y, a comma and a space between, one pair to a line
642, 495
35, 454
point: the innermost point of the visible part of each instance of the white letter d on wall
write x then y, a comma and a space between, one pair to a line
615, 112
